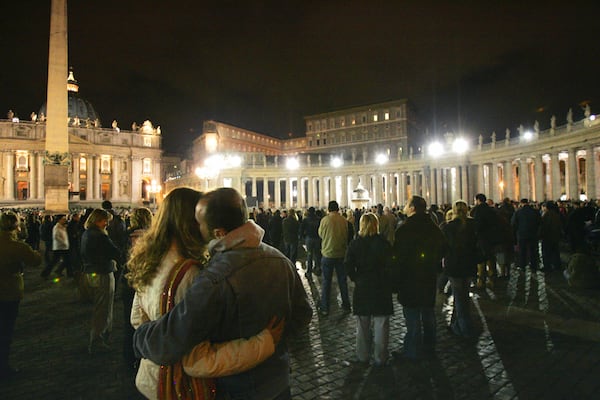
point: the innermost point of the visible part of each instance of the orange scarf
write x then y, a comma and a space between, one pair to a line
173, 382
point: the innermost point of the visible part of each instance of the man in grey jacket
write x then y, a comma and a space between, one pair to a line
244, 285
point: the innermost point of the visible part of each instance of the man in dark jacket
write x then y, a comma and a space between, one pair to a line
550, 232
309, 230
290, 228
488, 236
245, 283
526, 224
418, 249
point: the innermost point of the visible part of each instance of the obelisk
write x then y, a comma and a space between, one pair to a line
57, 158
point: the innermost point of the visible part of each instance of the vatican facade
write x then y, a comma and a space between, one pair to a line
115, 164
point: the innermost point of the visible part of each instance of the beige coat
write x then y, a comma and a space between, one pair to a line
205, 359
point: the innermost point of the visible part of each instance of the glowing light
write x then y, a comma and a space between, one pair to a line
381, 159
336, 162
292, 163
528, 136
592, 117
435, 149
460, 145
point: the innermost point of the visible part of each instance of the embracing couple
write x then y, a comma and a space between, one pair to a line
212, 301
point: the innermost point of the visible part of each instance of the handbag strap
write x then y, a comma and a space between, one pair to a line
167, 299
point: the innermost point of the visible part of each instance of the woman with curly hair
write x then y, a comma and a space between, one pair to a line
163, 264
141, 218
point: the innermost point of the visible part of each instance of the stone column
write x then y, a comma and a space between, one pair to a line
89, 173
135, 182
344, 198
439, 186
75, 175
9, 183
524, 191
322, 200
555, 176
114, 175
392, 191
254, 186
266, 195
40, 175
464, 183
590, 173
539, 178
494, 189
480, 179
97, 178
33, 175
573, 175
508, 180
277, 199
310, 193
56, 196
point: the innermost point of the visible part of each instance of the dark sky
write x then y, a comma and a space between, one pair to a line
474, 67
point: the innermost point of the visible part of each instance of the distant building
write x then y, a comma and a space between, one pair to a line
106, 163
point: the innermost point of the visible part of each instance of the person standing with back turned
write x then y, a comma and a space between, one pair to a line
333, 231
245, 283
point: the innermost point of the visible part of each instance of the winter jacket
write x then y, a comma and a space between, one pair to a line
418, 249
333, 231
206, 359
98, 252
244, 285
368, 263
460, 260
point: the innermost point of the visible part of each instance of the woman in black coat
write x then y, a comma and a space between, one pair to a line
367, 263
460, 264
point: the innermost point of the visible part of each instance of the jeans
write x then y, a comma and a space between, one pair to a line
9, 309
376, 338
551, 255
291, 251
313, 254
528, 253
328, 265
420, 331
460, 322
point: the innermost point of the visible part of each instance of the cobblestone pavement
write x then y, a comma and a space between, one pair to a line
537, 339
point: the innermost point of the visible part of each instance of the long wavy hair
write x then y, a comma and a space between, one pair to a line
174, 223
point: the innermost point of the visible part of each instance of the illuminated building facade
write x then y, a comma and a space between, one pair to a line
106, 163
368, 146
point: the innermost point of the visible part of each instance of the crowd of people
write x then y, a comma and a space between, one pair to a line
211, 290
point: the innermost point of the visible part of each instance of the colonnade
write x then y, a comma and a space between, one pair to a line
540, 175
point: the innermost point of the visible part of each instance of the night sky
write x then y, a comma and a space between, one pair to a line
474, 68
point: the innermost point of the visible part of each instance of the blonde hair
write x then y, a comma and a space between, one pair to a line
369, 225
96, 216
141, 218
460, 209
449, 216
174, 224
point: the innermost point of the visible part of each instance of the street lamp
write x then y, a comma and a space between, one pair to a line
153, 189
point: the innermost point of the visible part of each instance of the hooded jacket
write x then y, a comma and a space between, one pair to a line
244, 285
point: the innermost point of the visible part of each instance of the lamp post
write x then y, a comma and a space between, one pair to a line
153, 189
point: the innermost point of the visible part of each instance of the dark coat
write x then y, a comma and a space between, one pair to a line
526, 223
460, 260
368, 263
550, 227
486, 227
418, 249
97, 252
290, 228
